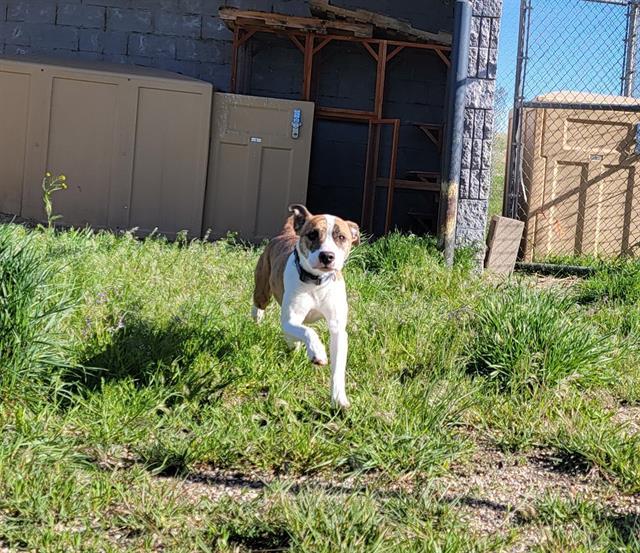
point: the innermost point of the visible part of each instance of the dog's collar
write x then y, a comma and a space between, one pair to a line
306, 276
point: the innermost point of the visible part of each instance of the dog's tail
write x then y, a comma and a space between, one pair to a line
262, 288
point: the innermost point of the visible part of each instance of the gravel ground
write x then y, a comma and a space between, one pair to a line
497, 492
494, 493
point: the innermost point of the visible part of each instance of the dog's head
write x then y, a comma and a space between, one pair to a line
324, 240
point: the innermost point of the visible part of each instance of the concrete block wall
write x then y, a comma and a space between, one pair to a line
475, 178
184, 36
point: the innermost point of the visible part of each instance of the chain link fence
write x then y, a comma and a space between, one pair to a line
571, 136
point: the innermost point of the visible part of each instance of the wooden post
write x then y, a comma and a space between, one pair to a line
369, 192
309, 43
234, 59
392, 176
380, 78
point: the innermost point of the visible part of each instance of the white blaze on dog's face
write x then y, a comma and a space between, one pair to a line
325, 240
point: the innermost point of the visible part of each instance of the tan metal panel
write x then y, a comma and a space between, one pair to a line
171, 153
503, 243
256, 167
557, 218
134, 143
37, 142
82, 145
14, 113
274, 192
580, 173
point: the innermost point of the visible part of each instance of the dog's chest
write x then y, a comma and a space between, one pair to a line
310, 296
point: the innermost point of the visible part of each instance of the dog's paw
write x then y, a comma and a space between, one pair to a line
340, 401
316, 352
257, 314
317, 355
320, 361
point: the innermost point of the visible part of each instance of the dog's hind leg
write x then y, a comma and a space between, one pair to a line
262, 289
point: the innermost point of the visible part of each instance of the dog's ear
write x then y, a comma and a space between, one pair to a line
355, 232
300, 216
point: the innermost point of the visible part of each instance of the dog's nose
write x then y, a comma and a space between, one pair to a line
326, 258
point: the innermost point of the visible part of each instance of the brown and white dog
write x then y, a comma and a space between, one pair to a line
301, 268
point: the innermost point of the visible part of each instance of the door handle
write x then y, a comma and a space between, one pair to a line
296, 123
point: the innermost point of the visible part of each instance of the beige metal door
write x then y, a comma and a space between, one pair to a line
259, 164
590, 200
133, 143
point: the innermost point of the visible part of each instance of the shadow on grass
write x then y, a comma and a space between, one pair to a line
627, 527
562, 462
270, 539
148, 353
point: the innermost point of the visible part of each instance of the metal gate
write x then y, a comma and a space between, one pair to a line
573, 160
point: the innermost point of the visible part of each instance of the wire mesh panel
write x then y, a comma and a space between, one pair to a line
574, 133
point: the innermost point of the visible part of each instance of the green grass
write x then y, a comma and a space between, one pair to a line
525, 339
132, 361
499, 156
615, 282
324, 522
31, 348
584, 526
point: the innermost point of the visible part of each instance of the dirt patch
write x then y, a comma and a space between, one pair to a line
551, 282
495, 492
629, 416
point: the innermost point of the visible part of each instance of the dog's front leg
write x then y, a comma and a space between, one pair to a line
294, 331
338, 347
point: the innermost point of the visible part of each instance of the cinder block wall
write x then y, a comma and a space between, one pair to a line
178, 35
475, 179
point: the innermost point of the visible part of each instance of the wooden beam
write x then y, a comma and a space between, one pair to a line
268, 20
392, 176
382, 23
373, 53
370, 177
404, 184
345, 114
234, 60
444, 58
297, 42
309, 43
247, 35
432, 130
347, 38
322, 44
381, 71
395, 52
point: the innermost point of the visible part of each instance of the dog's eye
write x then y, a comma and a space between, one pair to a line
341, 238
313, 235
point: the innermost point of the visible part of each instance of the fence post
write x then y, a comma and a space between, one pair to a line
628, 79
515, 155
455, 128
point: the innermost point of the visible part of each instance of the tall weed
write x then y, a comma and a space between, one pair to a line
524, 338
31, 346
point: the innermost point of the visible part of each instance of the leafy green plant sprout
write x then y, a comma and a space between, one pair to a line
51, 184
